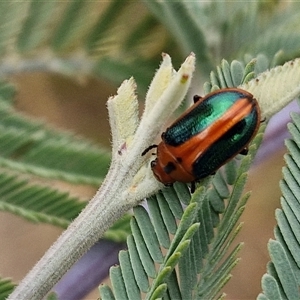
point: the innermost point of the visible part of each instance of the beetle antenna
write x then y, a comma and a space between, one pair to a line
263, 120
148, 149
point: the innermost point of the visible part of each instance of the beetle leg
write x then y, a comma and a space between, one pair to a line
196, 98
263, 120
148, 149
244, 151
193, 187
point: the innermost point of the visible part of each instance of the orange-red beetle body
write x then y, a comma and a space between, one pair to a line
211, 132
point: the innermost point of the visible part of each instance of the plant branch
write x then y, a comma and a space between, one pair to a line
130, 179
124, 186
46, 63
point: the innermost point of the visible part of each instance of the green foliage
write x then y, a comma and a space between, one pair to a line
87, 35
198, 244
44, 204
178, 19
36, 203
7, 92
29, 149
91, 39
110, 40
282, 280
197, 262
29, 146
216, 30
6, 287
235, 74
120, 230
52, 296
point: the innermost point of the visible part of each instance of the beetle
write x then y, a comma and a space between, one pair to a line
212, 131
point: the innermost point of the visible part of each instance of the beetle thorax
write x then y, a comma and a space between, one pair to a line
167, 168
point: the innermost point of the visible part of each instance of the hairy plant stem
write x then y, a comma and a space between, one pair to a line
120, 190
84, 232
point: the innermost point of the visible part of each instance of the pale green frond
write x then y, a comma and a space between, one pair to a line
144, 252
281, 33
178, 18
28, 146
7, 92
260, 27
196, 263
6, 287
198, 251
52, 296
12, 15
109, 35
120, 230
37, 203
77, 20
235, 74
78, 38
38, 25
283, 276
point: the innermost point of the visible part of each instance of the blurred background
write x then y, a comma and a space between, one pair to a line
118, 45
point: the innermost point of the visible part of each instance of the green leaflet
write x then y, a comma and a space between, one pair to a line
37, 203
28, 146
6, 287
82, 37
178, 18
36, 29
283, 277
199, 247
37, 25
199, 244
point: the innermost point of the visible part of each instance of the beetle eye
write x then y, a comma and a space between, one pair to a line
153, 163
